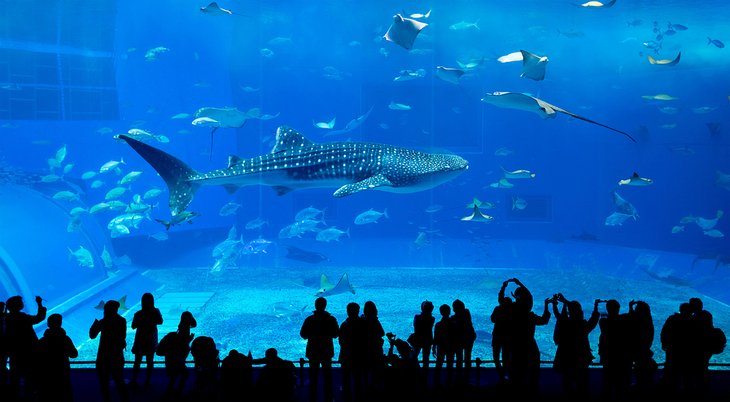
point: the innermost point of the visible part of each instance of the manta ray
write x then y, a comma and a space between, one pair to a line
403, 31
520, 101
533, 66
328, 289
297, 163
214, 9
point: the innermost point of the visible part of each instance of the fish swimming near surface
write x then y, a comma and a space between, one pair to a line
298, 254
328, 289
666, 62
403, 31
297, 163
520, 101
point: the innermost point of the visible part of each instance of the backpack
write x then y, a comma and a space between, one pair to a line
717, 341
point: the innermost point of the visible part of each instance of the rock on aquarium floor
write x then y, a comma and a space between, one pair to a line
255, 308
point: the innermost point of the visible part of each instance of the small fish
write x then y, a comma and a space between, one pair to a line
398, 106
68, 168
114, 193
106, 258
663, 97
65, 195
83, 257
636, 180
370, 216
266, 52
405, 75
463, 25
151, 54
181, 217
229, 209
669, 110
50, 178
308, 213
714, 233
325, 125
331, 233
255, 224
421, 240
677, 27
677, 229
718, 43
180, 116
100, 207
518, 174
130, 177
257, 246
88, 175
419, 15
111, 165
61, 154
503, 151
518, 203
97, 184
77, 211
703, 109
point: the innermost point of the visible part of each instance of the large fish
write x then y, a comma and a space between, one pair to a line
297, 163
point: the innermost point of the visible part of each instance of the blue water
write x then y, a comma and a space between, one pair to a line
78, 76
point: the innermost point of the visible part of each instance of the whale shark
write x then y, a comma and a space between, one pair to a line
295, 163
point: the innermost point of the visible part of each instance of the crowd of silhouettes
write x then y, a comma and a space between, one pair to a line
39, 369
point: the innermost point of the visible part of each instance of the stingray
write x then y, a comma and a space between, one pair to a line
328, 289
403, 31
520, 101
665, 62
216, 117
353, 124
477, 216
214, 9
533, 66
449, 74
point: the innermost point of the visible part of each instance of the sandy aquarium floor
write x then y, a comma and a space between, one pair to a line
258, 308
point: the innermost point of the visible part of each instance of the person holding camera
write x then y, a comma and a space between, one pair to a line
403, 369
22, 342
573, 355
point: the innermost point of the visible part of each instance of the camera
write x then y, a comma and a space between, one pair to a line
391, 336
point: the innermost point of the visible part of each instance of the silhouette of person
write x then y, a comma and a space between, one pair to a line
443, 346
110, 355
320, 329
145, 321
464, 337
524, 353
22, 342
614, 351
55, 349
573, 354
500, 333
699, 349
403, 370
237, 376
205, 357
277, 380
372, 346
350, 354
422, 338
175, 348
675, 337
640, 339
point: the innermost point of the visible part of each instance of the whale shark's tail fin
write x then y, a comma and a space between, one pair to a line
174, 171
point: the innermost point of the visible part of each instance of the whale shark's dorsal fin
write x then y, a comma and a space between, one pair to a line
233, 160
287, 138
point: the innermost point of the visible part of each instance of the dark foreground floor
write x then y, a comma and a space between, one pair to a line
483, 387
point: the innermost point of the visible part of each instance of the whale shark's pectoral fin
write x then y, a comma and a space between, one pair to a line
370, 182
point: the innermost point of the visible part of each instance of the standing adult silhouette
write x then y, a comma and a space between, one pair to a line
351, 358
22, 341
320, 329
110, 355
55, 349
145, 321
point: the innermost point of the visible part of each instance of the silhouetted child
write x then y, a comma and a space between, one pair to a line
443, 346
175, 348
110, 355
350, 354
237, 376
403, 371
205, 357
145, 321
422, 338
320, 329
277, 380
22, 342
55, 349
